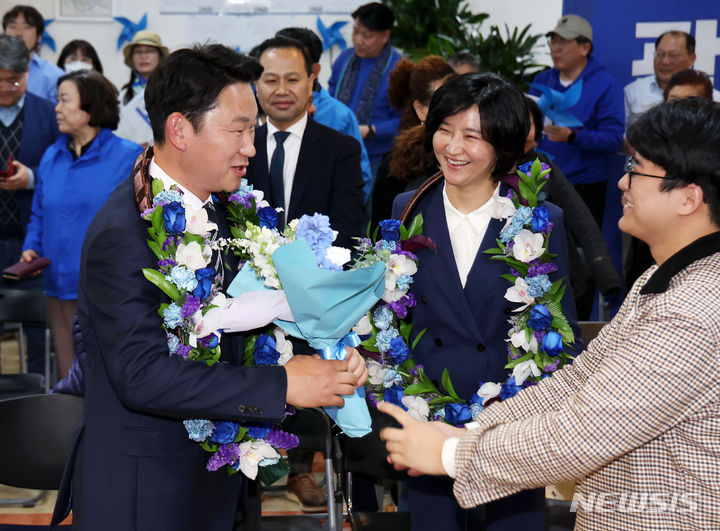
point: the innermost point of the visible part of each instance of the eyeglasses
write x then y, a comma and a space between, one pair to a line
10, 84
629, 169
557, 41
660, 56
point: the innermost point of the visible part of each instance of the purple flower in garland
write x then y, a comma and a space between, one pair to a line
552, 367
539, 268
241, 200
510, 353
184, 350
282, 439
225, 455
400, 306
167, 262
371, 398
190, 306
210, 341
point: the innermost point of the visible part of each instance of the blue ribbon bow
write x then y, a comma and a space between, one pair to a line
337, 351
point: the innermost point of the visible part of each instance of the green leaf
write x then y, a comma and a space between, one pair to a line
447, 384
240, 434
494, 250
249, 351
528, 194
416, 226
536, 167
441, 400
156, 220
189, 237
209, 446
424, 386
418, 338
403, 233
510, 278
155, 248
511, 364
157, 278
405, 329
157, 186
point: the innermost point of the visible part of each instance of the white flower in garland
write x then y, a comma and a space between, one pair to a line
417, 407
193, 256
375, 372
252, 453
524, 369
398, 265
338, 255
196, 222
503, 208
519, 340
527, 246
282, 345
519, 293
363, 326
489, 390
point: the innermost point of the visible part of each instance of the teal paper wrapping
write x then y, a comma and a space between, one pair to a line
326, 305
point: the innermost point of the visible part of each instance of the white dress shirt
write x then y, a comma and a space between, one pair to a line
467, 231
189, 198
292, 152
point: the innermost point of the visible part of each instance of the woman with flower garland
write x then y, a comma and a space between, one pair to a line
476, 126
75, 177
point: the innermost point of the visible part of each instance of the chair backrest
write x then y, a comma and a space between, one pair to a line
590, 329
23, 306
36, 438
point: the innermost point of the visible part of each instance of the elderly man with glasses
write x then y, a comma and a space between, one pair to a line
27, 128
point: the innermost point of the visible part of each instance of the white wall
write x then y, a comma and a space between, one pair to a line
245, 31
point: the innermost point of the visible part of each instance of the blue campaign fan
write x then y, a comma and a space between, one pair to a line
46, 39
331, 36
130, 28
555, 104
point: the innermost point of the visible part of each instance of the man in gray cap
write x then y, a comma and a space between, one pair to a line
582, 151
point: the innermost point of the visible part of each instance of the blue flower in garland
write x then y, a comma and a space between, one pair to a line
384, 337
168, 196
394, 395
404, 281
538, 285
382, 317
198, 429
182, 277
316, 231
390, 230
398, 351
265, 351
174, 218
205, 277
552, 344
258, 430
225, 432
540, 317
457, 414
540, 219
172, 315
522, 217
268, 217
509, 389
173, 343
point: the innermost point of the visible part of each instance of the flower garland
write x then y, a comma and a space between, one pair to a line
538, 330
183, 241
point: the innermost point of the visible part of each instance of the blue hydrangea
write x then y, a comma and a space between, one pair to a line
391, 377
387, 245
168, 196
522, 217
538, 285
172, 315
404, 281
182, 277
382, 317
198, 429
384, 337
173, 343
475, 410
245, 188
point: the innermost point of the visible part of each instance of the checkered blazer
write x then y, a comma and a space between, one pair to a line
635, 419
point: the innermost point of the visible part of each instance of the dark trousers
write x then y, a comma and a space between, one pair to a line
10, 254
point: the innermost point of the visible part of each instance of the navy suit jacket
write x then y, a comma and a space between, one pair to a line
133, 466
40, 131
466, 332
328, 178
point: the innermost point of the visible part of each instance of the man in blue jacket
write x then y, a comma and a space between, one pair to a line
583, 152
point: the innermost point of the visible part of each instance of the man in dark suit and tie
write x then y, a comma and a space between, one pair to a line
301, 165
133, 466
27, 127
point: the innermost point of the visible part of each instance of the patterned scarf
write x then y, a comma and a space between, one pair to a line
348, 80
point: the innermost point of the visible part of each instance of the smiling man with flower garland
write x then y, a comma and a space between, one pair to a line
133, 465
637, 415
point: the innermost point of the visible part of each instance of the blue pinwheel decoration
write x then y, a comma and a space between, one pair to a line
130, 28
331, 36
46, 39
555, 104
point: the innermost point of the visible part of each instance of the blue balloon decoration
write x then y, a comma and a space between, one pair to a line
555, 104
130, 28
331, 36
46, 39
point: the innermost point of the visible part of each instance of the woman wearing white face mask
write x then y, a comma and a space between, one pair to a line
79, 55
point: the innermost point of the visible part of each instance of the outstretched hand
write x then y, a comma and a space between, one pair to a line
417, 447
315, 382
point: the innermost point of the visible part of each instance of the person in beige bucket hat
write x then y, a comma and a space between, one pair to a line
142, 56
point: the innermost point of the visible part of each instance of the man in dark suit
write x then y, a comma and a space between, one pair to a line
27, 127
316, 168
133, 465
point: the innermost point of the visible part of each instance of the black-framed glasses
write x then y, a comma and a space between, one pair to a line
629, 169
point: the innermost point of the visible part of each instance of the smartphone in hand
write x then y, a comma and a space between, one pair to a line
10, 171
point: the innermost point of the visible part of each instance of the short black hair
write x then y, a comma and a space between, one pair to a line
695, 78
536, 116
504, 119
682, 137
14, 55
31, 15
283, 42
308, 38
87, 50
375, 16
98, 97
465, 58
689, 40
190, 80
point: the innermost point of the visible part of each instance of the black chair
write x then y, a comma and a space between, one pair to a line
35, 441
26, 307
